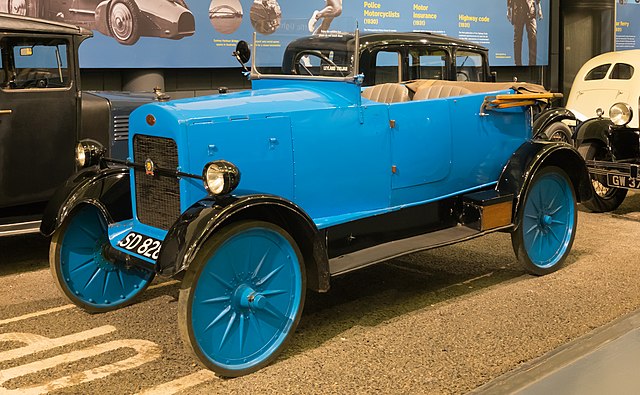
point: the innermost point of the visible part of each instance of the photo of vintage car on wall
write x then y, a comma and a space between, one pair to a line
124, 20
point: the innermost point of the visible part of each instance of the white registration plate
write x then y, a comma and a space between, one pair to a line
622, 181
142, 245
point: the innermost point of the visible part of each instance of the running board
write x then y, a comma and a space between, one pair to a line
21, 228
369, 256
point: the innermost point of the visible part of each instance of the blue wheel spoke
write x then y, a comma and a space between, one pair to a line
241, 333
272, 316
555, 236
268, 277
102, 222
217, 300
84, 250
84, 265
220, 280
121, 279
531, 216
89, 232
531, 229
556, 222
230, 263
232, 319
264, 258
533, 204
540, 244
218, 318
535, 236
552, 202
105, 285
273, 292
248, 264
554, 212
256, 326
93, 277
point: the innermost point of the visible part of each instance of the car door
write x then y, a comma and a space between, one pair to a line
420, 147
38, 118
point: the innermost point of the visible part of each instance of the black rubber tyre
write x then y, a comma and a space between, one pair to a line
603, 198
124, 22
557, 131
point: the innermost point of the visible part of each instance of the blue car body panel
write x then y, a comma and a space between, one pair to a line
295, 139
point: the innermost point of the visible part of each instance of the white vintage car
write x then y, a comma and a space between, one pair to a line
603, 81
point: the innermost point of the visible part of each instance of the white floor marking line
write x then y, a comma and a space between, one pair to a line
37, 343
36, 314
146, 352
180, 384
67, 306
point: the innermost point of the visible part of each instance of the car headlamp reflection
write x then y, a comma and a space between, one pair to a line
620, 114
88, 153
220, 177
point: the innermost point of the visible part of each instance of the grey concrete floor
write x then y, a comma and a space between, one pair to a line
445, 321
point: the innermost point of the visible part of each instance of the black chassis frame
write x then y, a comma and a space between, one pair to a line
623, 145
326, 252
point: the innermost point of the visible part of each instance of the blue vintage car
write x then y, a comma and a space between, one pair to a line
251, 198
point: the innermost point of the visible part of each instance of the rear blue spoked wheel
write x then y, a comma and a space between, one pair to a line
242, 297
546, 224
83, 273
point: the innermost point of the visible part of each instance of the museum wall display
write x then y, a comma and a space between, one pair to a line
198, 34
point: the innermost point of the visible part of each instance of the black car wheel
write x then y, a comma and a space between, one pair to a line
557, 131
123, 21
604, 198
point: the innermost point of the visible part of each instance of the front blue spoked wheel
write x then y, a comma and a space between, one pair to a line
82, 270
546, 224
242, 297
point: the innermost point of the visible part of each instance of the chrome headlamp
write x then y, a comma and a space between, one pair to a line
620, 114
220, 177
88, 153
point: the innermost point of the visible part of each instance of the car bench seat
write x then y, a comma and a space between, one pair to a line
387, 93
432, 89
440, 91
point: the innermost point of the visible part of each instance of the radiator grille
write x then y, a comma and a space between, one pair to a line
157, 197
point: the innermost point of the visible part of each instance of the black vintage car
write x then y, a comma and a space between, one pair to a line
401, 57
611, 149
124, 20
43, 115
391, 57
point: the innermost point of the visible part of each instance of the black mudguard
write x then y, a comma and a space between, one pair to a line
107, 189
548, 117
533, 155
203, 219
593, 129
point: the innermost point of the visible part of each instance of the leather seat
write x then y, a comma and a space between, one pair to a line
440, 91
387, 93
